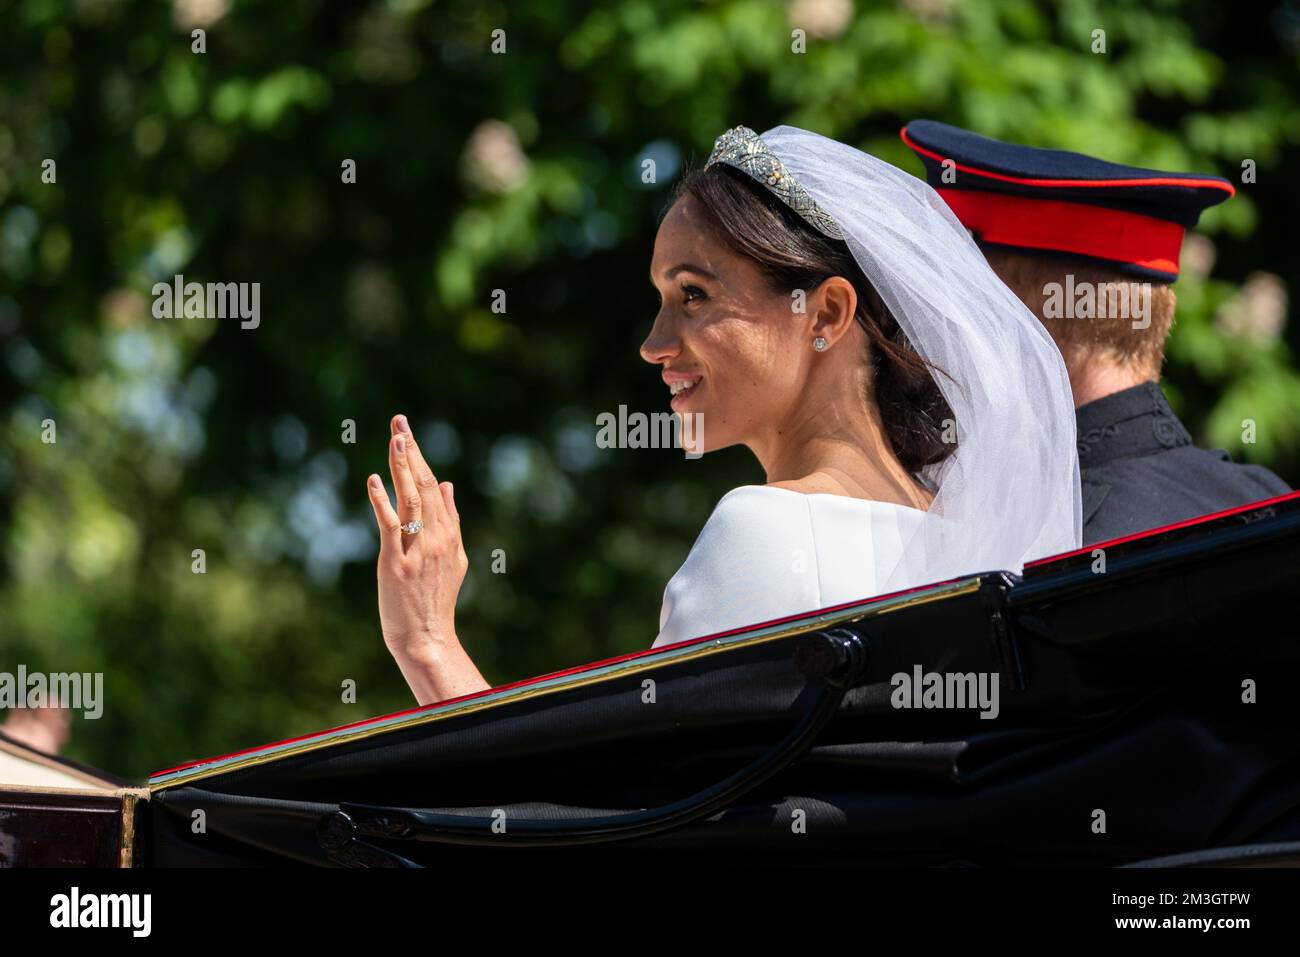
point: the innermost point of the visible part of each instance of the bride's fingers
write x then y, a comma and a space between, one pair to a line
426, 483
390, 527
448, 499
408, 496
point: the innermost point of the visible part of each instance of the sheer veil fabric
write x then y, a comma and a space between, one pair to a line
1010, 492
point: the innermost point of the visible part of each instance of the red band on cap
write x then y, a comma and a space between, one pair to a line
1076, 228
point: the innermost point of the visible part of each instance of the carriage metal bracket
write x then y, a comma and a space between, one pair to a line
337, 834
994, 589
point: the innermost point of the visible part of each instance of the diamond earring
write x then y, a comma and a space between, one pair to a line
820, 344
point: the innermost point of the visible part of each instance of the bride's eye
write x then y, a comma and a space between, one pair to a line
693, 293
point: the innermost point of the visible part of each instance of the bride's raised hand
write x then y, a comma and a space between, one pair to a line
422, 565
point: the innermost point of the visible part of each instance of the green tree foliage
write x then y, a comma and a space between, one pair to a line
478, 171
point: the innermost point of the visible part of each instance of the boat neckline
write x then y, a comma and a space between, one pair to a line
836, 495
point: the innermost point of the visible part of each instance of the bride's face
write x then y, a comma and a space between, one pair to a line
722, 333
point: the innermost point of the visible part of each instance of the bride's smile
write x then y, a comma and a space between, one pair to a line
681, 387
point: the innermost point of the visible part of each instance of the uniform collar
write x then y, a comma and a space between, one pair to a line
1136, 421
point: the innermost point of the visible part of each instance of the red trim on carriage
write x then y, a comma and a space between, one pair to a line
1161, 529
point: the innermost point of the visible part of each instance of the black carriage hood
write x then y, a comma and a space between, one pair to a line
1143, 708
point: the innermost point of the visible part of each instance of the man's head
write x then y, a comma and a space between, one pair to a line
1091, 247
1110, 327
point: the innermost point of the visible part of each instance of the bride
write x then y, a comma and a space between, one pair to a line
826, 310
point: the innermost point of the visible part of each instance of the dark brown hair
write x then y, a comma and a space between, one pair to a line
752, 222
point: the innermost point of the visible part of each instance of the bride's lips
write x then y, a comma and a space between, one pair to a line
687, 385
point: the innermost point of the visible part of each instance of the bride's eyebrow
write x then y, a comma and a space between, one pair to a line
685, 267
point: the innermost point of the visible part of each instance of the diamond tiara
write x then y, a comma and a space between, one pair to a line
742, 148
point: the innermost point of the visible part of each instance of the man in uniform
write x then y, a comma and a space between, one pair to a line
1092, 249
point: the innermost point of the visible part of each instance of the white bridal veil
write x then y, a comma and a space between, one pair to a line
1010, 492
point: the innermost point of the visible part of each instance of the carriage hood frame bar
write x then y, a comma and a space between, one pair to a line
596, 672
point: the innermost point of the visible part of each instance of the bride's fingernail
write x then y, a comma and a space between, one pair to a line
401, 424
400, 444
374, 481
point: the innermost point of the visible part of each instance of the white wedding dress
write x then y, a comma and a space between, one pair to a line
769, 552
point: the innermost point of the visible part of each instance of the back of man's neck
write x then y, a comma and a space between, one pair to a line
1091, 380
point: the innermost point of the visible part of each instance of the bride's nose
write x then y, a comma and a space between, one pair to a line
662, 344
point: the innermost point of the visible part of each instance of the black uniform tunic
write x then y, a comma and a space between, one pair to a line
1139, 469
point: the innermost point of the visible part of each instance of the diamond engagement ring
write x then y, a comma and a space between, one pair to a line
410, 528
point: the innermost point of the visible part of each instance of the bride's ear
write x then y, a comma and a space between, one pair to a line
834, 304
